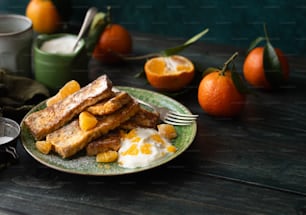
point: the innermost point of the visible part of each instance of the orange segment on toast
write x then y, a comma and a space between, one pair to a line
68, 89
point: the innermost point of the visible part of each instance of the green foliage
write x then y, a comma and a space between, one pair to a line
255, 43
210, 70
179, 48
272, 66
238, 82
100, 21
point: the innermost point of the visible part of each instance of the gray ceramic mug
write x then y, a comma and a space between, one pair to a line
16, 36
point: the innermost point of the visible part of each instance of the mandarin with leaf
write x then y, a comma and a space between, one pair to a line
265, 66
218, 92
114, 41
254, 70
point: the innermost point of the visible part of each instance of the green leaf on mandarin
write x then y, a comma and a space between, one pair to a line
272, 66
238, 82
254, 43
209, 70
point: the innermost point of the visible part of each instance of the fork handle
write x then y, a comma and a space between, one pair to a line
145, 104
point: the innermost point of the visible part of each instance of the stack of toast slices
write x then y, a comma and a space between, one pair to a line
58, 123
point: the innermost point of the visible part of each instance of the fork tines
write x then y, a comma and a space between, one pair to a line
182, 115
175, 118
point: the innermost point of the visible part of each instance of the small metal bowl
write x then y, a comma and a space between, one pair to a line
9, 133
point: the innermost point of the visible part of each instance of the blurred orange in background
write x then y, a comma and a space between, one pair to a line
114, 41
44, 15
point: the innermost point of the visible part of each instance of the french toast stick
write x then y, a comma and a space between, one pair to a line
110, 105
110, 141
143, 118
55, 116
70, 138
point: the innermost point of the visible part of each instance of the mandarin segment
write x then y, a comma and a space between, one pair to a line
87, 121
171, 149
157, 66
166, 130
182, 68
131, 134
133, 150
69, 88
54, 99
146, 148
43, 146
107, 157
157, 138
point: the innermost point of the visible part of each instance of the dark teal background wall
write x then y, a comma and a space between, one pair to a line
235, 22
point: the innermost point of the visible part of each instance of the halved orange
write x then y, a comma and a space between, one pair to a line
170, 73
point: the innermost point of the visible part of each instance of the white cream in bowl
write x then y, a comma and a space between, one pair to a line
60, 45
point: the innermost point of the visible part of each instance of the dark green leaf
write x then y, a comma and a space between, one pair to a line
100, 21
177, 49
209, 70
272, 66
255, 43
140, 74
238, 82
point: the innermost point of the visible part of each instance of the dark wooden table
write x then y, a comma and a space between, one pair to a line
253, 164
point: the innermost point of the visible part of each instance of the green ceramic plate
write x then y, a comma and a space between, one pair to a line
85, 165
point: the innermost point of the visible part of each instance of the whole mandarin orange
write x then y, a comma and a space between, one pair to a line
115, 40
218, 95
253, 67
44, 15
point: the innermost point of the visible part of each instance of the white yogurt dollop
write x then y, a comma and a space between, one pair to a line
142, 146
61, 45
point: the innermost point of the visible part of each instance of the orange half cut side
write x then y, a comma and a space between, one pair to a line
170, 73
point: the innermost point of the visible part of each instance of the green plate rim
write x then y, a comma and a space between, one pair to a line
107, 169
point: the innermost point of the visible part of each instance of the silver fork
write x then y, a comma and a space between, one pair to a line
168, 116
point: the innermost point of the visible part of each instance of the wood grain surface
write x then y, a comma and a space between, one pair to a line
253, 164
